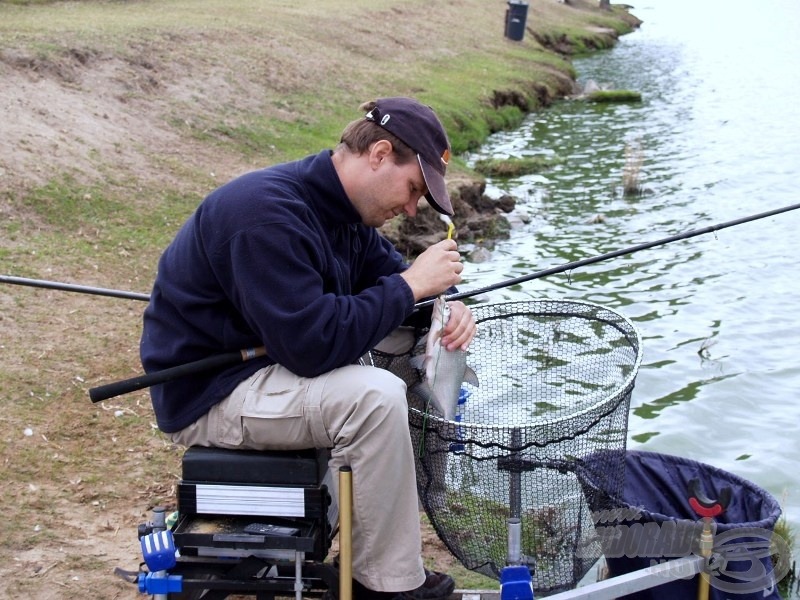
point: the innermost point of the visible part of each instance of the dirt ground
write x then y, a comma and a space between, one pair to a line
79, 478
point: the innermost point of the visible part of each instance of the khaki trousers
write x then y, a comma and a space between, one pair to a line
361, 414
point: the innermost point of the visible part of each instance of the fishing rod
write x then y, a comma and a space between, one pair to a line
616, 253
129, 385
71, 287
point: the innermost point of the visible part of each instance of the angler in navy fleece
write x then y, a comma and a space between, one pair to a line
277, 257
289, 258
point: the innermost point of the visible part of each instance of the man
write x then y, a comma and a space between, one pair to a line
288, 257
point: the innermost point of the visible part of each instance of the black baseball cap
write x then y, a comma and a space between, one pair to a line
418, 127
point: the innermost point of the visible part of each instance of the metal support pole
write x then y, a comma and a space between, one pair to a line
516, 582
706, 548
514, 541
643, 579
515, 476
298, 575
345, 533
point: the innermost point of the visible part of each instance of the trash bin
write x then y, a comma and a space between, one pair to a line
655, 522
516, 15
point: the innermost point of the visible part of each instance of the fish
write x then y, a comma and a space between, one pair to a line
443, 370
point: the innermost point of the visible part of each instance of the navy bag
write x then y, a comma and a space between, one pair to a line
654, 522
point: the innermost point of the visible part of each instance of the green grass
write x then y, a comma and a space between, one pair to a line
456, 87
787, 533
478, 84
458, 82
101, 227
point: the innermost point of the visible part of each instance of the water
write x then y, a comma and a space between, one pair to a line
719, 132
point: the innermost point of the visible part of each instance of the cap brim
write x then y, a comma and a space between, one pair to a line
437, 194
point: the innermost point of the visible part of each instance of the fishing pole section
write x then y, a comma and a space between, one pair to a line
110, 390
71, 287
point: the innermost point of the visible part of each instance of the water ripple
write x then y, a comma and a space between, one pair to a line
719, 131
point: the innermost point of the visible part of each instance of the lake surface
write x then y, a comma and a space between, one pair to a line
718, 131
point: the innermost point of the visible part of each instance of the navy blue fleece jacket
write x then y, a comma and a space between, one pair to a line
277, 257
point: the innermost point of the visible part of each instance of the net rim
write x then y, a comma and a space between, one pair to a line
619, 392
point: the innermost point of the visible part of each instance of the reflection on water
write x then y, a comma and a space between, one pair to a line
719, 131
541, 363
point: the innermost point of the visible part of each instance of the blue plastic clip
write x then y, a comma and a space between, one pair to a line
158, 550
516, 583
462, 398
155, 583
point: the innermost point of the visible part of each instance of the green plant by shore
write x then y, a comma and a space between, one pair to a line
514, 166
614, 96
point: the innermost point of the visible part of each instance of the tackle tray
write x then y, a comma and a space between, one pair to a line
195, 531
208, 498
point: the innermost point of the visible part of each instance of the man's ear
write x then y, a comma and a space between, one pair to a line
378, 152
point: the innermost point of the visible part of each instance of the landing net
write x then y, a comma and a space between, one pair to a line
551, 412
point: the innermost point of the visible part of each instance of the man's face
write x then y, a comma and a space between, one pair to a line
393, 189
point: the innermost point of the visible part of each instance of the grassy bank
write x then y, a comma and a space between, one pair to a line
294, 70
122, 115
152, 104
118, 118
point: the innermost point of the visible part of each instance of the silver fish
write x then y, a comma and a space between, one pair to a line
445, 370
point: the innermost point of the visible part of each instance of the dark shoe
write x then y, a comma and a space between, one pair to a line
437, 586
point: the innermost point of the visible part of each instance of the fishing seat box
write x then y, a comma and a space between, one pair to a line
235, 503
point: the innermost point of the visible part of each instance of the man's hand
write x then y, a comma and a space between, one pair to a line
435, 270
460, 328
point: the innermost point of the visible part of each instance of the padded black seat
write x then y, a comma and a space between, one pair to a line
255, 467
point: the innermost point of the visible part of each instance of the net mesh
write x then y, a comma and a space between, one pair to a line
551, 413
